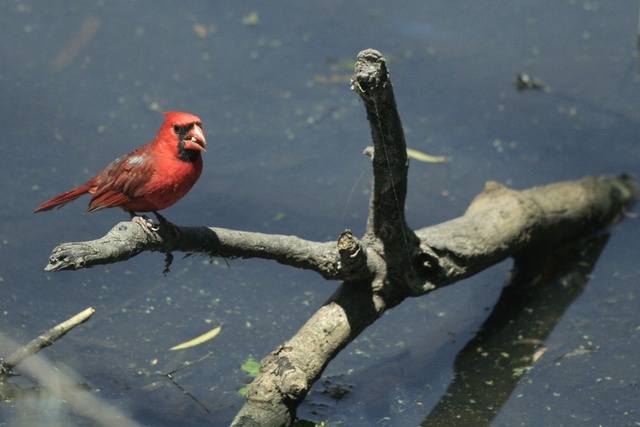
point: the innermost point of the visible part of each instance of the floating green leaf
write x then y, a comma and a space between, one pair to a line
251, 367
242, 391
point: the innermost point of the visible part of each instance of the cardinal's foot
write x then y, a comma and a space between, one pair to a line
147, 224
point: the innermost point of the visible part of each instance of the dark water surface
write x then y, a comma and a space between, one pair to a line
83, 82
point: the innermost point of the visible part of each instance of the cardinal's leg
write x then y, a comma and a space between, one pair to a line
164, 222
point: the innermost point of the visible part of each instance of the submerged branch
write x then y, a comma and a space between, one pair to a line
44, 340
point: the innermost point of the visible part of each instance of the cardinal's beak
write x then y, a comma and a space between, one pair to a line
195, 139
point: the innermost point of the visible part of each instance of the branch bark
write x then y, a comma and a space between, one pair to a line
390, 263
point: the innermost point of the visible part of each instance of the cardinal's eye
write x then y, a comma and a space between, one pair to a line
182, 130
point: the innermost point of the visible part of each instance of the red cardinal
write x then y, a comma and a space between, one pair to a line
151, 178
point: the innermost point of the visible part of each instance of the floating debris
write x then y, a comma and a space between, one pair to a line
203, 31
524, 82
198, 340
251, 20
424, 157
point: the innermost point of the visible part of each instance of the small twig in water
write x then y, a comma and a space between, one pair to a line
182, 389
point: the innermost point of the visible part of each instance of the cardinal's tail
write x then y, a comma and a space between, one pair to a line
64, 198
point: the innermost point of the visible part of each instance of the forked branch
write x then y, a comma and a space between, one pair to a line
390, 262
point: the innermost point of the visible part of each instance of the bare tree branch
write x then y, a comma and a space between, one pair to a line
390, 263
44, 340
63, 386
499, 223
502, 223
128, 239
